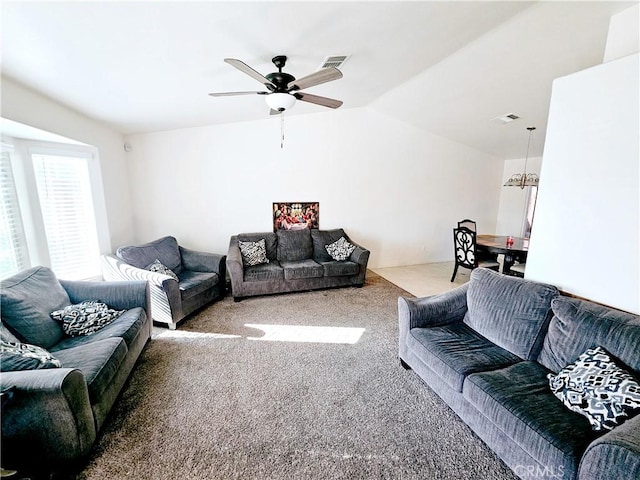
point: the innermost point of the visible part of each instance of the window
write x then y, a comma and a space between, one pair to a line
13, 245
64, 190
52, 210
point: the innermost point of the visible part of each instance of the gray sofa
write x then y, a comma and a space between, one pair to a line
201, 276
51, 416
486, 348
298, 261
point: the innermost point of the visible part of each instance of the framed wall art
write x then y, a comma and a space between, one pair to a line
295, 215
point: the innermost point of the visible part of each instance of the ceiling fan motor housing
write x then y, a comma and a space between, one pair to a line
280, 80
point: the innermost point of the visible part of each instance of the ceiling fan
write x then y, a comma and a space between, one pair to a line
283, 89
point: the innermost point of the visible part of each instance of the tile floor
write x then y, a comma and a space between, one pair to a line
426, 279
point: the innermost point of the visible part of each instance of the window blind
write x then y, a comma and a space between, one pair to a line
13, 245
65, 197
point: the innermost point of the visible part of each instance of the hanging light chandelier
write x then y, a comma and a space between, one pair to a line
524, 179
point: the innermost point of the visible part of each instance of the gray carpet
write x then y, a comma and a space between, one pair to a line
220, 399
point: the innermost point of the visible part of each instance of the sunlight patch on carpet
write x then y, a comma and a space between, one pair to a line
184, 335
306, 334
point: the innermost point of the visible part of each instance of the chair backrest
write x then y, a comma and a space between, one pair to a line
464, 246
468, 223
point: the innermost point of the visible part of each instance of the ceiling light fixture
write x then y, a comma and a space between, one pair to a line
280, 101
524, 179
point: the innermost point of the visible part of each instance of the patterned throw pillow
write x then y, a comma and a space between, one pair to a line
159, 267
253, 253
597, 388
340, 250
22, 356
85, 318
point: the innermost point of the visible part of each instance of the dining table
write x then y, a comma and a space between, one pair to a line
513, 248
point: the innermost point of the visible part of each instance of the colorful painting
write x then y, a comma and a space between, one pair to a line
296, 215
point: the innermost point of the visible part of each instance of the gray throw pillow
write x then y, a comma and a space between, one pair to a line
85, 318
16, 356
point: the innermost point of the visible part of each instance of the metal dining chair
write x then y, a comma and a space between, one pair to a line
464, 246
468, 223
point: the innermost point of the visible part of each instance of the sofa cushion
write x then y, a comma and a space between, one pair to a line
578, 325
164, 249
597, 388
270, 242
27, 298
518, 401
302, 269
22, 356
194, 283
294, 245
510, 312
127, 326
99, 361
320, 238
337, 269
266, 271
455, 351
85, 318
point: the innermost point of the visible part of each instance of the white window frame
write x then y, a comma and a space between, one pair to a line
24, 177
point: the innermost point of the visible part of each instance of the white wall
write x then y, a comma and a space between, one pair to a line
513, 200
586, 232
28, 107
394, 188
624, 34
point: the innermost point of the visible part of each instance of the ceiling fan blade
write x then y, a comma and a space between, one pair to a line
324, 101
229, 94
321, 76
243, 67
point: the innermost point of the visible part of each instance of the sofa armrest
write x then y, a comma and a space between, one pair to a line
443, 309
122, 295
203, 261
166, 301
360, 255
235, 267
48, 417
614, 455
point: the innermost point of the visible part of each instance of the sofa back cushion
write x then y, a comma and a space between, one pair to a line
164, 249
270, 242
511, 312
27, 299
578, 325
320, 238
294, 245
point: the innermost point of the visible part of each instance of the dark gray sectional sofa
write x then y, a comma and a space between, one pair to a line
486, 348
51, 416
298, 261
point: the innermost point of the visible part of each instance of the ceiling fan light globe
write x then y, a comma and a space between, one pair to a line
280, 101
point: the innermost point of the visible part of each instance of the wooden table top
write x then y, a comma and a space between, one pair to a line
499, 243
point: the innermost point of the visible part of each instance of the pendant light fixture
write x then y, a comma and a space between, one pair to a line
524, 179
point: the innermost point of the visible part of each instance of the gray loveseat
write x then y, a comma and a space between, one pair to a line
297, 261
51, 416
201, 276
486, 348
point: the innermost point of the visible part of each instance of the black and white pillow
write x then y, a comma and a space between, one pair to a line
340, 250
253, 253
85, 318
159, 267
16, 356
597, 388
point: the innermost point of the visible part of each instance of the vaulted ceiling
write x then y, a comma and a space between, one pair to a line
447, 67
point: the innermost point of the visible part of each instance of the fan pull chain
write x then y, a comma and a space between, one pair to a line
282, 129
